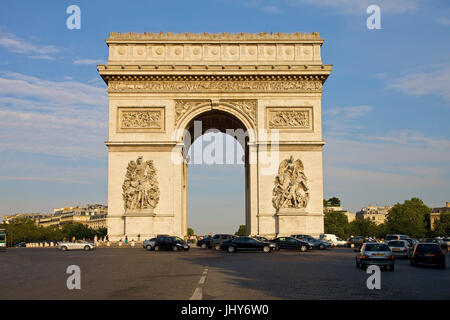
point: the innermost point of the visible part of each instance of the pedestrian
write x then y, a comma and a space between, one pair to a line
126, 239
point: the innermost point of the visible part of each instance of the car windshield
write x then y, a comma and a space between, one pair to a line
391, 238
428, 248
397, 244
376, 247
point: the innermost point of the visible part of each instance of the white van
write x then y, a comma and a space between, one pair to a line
333, 239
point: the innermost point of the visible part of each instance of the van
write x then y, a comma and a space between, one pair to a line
333, 239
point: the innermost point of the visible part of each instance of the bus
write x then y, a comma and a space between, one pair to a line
2, 239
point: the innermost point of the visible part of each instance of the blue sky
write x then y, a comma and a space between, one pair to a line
386, 106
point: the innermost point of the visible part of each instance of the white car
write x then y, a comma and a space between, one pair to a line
78, 245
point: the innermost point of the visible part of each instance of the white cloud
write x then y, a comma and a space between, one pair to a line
445, 22
17, 45
338, 119
88, 61
358, 7
64, 118
434, 82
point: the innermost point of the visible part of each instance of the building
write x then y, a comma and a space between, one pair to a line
436, 213
31, 216
376, 214
97, 222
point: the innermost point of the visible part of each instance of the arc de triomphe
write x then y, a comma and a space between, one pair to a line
265, 87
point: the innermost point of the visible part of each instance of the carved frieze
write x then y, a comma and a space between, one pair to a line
289, 118
245, 106
140, 187
136, 119
291, 186
182, 107
216, 86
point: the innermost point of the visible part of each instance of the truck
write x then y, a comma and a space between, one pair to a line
333, 239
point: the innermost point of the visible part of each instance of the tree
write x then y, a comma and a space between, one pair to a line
241, 231
363, 227
442, 225
332, 202
190, 232
408, 218
336, 222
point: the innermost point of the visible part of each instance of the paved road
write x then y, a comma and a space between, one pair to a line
119, 273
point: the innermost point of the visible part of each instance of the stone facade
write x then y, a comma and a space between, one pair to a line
268, 85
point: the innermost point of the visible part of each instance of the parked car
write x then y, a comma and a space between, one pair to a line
291, 243
315, 243
149, 244
77, 245
372, 253
247, 244
217, 240
20, 245
390, 237
333, 239
204, 243
400, 248
355, 242
428, 253
170, 243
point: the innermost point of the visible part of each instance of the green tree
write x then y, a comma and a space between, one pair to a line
241, 231
336, 222
190, 232
332, 202
408, 218
363, 227
442, 225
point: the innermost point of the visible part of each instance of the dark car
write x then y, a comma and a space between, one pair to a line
247, 244
439, 241
355, 242
428, 253
261, 238
20, 245
313, 242
170, 243
372, 253
217, 240
291, 243
204, 243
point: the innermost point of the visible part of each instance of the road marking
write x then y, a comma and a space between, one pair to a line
198, 293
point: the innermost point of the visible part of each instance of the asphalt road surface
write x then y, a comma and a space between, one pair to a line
125, 273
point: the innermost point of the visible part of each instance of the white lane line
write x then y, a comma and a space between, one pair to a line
198, 293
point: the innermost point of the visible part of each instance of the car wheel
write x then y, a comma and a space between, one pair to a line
321, 247
174, 248
87, 248
217, 246
64, 248
156, 248
266, 249
148, 247
231, 249
204, 246
303, 248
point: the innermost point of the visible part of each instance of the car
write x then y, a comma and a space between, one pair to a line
217, 240
247, 244
428, 253
412, 242
390, 237
373, 253
204, 243
170, 243
291, 243
261, 238
446, 240
439, 241
76, 245
20, 245
315, 243
149, 244
399, 248
333, 239
355, 242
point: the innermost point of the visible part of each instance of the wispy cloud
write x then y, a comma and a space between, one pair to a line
338, 119
358, 7
445, 22
88, 61
434, 82
35, 51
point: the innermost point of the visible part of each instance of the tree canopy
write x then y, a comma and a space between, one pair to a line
408, 218
241, 231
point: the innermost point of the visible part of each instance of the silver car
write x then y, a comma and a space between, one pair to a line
78, 245
373, 253
400, 248
149, 244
